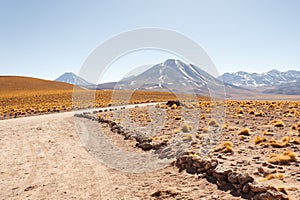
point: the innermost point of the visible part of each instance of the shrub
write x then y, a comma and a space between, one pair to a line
225, 147
295, 140
187, 137
202, 116
296, 127
284, 142
259, 114
177, 117
285, 158
267, 133
259, 140
225, 126
277, 123
174, 106
279, 176
251, 112
213, 123
245, 132
176, 131
186, 128
240, 111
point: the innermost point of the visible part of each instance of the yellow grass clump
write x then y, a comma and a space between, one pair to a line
225, 126
187, 137
186, 128
283, 143
202, 116
258, 139
251, 112
259, 114
213, 123
277, 123
225, 147
240, 111
285, 158
174, 106
267, 133
177, 117
245, 132
296, 127
295, 140
279, 176
176, 130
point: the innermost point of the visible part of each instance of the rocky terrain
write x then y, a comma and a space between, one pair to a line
251, 153
174, 150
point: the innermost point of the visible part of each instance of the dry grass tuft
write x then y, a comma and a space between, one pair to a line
279, 176
245, 132
259, 139
225, 147
202, 116
285, 158
177, 117
267, 133
283, 143
251, 112
259, 114
176, 130
186, 128
240, 111
295, 140
296, 127
187, 137
277, 123
213, 123
225, 126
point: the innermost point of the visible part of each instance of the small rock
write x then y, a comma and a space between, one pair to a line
145, 146
233, 177
244, 178
246, 188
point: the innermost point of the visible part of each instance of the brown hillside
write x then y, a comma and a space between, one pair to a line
20, 83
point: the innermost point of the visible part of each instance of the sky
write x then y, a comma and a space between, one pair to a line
46, 38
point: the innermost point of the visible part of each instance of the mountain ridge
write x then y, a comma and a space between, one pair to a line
71, 78
267, 79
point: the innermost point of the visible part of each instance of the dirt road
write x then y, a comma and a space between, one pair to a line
42, 157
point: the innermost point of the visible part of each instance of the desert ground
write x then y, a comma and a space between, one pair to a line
43, 158
48, 157
187, 149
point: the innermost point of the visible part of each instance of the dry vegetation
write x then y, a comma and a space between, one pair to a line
254, 135
262, 134
22, 96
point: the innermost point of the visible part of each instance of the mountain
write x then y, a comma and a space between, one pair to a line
73, 79
268, 79
175, 76
285, 89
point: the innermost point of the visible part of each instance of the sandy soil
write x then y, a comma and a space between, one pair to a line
42, 157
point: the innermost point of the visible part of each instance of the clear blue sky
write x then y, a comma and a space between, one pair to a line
45, 38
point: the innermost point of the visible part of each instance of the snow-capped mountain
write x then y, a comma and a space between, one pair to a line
176, 76
72, 78
267, 79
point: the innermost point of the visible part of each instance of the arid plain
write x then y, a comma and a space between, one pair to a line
230, 149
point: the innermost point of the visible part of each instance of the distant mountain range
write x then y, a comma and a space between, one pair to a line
268, 79
177, 76
73, 79
271, 82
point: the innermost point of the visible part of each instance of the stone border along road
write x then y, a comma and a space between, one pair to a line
238, 183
